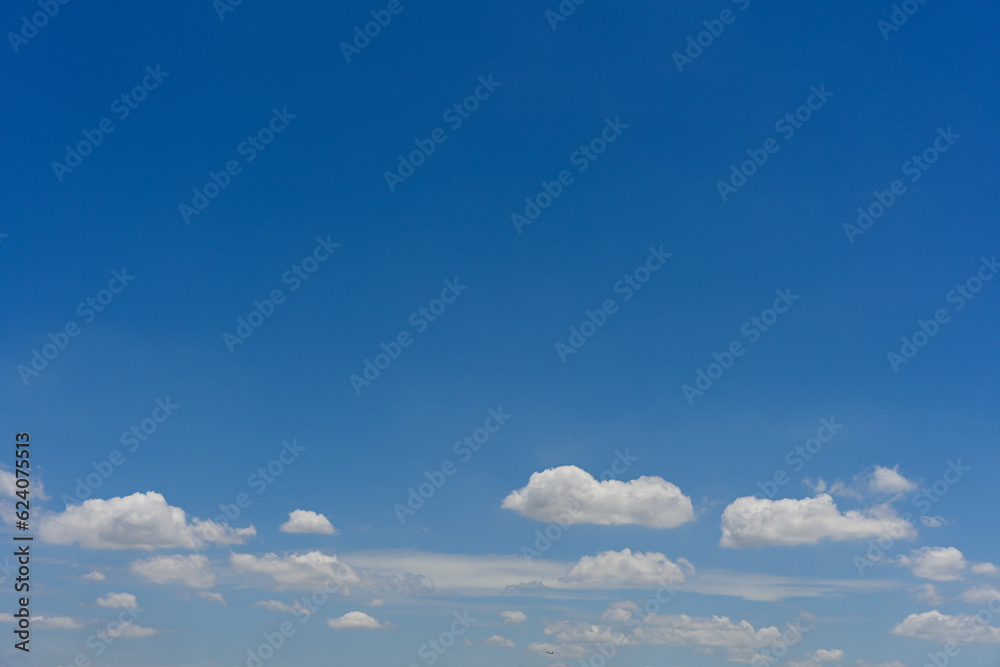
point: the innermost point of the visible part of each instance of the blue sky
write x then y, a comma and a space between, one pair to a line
737, 322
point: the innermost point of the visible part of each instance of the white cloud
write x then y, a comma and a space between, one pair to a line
818, 658
57, 622
498, 640
932, 521
981, 594
304, 521
514, 616
118, 601
626, 569
984, 568
126, 630
297, 571
894, 663
888, 481
275, 605
929, 594
140, 521
570, 495
935, 563
355, 620
94, 576
9, 487
188, 570
214, 597
759, 522
935, 626
376, 602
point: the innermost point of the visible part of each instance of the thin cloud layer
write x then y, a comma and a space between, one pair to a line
759, 522
187, 570
570, 495
139, 521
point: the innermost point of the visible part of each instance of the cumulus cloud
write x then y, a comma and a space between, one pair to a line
297, 571
929, 594
760, 522
214, 597
935, 563
514, 616
569, 495
275, 605
355, 620
888, 481
818, 658
94, 576
304, 521
118, 601
126, 630
140, 521
189, 570
935, 626
498, 640
626, 569
9, 487
981, 594
984, 568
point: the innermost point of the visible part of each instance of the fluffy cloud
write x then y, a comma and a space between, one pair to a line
275, 605
626, 569
214, 597
935, 563
935, 626
297, 571
888, 481
818, 658
981, 594
140, 521
514, 616
188, 570
9, 488
759, 522
127, 630
984, 568
569, 495
118, 601
355, 620
94, 576
304, 521
498, 640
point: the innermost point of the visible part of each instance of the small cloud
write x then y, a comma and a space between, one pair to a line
514, 616
275, 605
189, 570
933, 521
214, 597
355, 620
497, 640
377, 602
304, 521
126, 630
983, 568
935, 563
94, 576
57, 623
981, 594
888, 481
118, 601
929, 594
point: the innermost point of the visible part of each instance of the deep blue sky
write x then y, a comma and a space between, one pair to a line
655, 185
